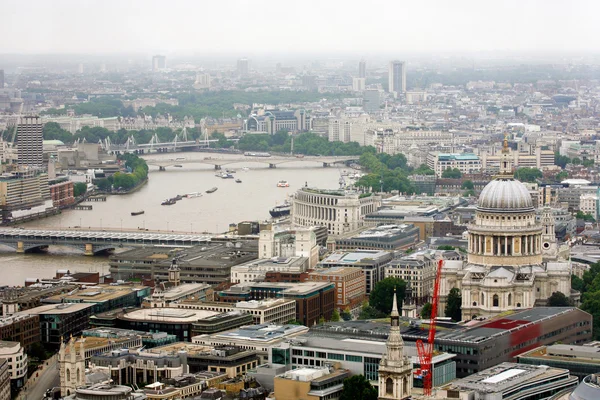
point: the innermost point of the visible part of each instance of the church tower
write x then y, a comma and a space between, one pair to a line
71, 359
174, 272
549, 245
395, 369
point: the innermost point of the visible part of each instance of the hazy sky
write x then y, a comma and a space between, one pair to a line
307, 26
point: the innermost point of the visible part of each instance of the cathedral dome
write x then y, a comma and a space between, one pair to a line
505, 195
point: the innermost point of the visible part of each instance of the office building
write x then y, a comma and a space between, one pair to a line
24, 329
24, 194
466, 163
588, 389
61, 192
1, 78
184, 323
360, 356
358, 84
258, 338
103, 297
255, 271
210, 263
273, 121
383, 237
173, 295
271, 311
308, 383
30, 142
581, 361
339, 211
243, 65
105, 391
14, 353
4, 379
362, 69
340, 130
349, 282
129, 366
397, 77
203, 81
511, 381
116, 335
313, 299
372, 263
371, 100
418, 271
159, 63
58, 321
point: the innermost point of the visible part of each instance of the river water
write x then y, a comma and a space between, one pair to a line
231, 203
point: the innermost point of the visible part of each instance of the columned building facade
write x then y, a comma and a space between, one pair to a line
513, 261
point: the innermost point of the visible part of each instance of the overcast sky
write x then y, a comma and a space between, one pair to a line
307, 26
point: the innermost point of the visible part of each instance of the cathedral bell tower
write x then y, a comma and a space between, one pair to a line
395, 369
549, 245
174, 272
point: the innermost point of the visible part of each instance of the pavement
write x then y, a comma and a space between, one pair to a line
48, 377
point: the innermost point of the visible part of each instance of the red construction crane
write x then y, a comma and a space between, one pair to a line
425, 350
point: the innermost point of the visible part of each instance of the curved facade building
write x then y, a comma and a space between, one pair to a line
588, 389
338, 210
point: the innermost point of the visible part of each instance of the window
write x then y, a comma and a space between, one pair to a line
495, 300
389, 386
353, 358
335, 356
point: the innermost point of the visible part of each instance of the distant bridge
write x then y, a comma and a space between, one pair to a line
93, 242
271, 161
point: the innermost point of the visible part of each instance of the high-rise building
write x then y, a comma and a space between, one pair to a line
29, 141
358, 84
159, 63
371, 100
397, 77
362, 69
243, 66
1, 78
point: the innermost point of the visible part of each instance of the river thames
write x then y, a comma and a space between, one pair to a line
231, 203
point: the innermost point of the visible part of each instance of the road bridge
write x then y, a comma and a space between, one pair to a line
272, 161
93, 242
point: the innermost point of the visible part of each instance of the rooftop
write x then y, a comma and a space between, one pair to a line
51, 309
565, 352
96, 294
168, 314
356, 257
262, 332
504, 376
284, 288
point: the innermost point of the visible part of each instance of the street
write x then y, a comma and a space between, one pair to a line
47, 379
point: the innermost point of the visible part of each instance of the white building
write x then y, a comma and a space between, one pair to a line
4, 379
17, 362
268, 311
513, 262
203, 81
338, 210
467, 163
301, 242
397, 77
587, 203
255, 271
358, 84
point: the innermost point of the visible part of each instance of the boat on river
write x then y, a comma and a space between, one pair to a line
168, 202
238, 181
283, 184
134, 213
212, 190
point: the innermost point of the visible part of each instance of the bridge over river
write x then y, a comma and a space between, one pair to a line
272, 161
93, 242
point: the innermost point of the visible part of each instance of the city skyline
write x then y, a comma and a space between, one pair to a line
383, 27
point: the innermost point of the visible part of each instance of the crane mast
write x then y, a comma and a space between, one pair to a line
425, 350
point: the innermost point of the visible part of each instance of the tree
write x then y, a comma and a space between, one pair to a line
452, 173
584, 216
468, 184
561, 161
79, 188
527, 174
38, 351
426, 311
576, 161
446, 247
346, 314
357, 387
577, 283
335, 316
423, 170
588, 163
558, 299
591, 304
453, 305
381, 296
293, 322
561, 176
321, 320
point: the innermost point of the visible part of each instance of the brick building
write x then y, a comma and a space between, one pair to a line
62, 193
350, 284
